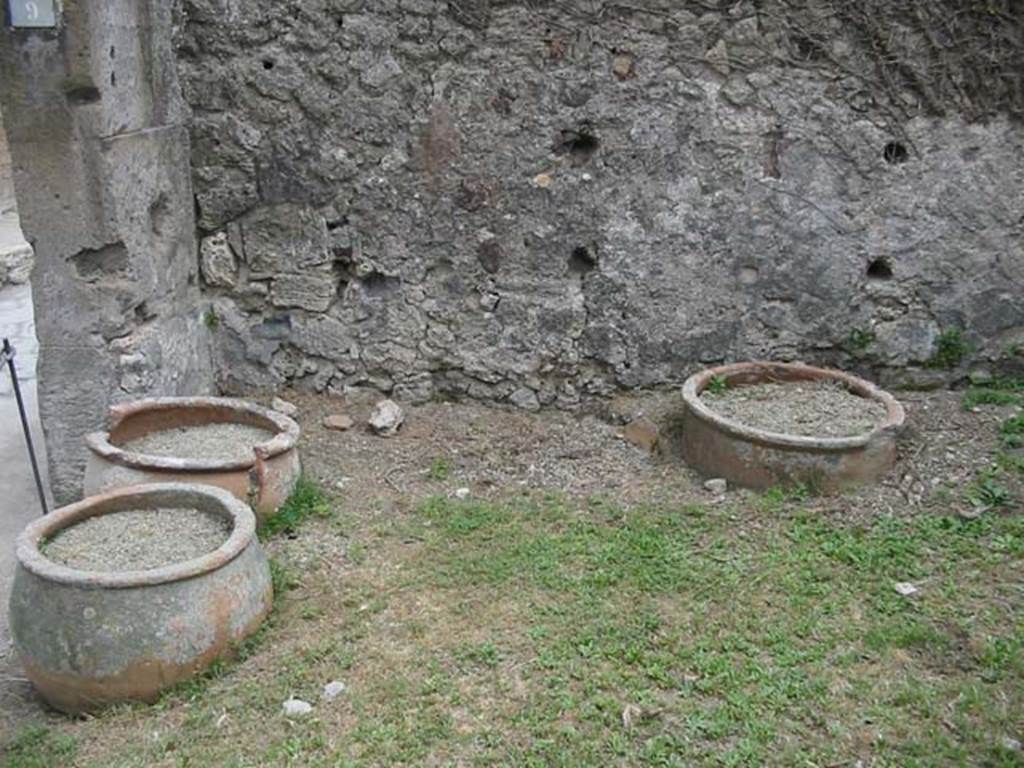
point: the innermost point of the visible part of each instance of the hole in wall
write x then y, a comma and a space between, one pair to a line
82, 94
444, 271
490, 255
806, 48
502, 102
378, 285
580, 145
143, 313
93, 264
269, 64
160, 214
582, 261
895, 153
276, 328
879, 269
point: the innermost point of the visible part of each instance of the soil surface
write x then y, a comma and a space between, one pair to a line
813, 408
449, 449
493, 452
225, 441
137, 540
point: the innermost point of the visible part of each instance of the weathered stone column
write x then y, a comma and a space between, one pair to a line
100, 152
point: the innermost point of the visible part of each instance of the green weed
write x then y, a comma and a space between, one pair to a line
859, 340
212, 319
307, 500
281, 579
717, 385
439, 470
1011, 433
951, 348
989, 493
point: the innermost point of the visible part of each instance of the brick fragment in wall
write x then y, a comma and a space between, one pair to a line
313, 290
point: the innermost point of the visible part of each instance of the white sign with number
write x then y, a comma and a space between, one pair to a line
32, 13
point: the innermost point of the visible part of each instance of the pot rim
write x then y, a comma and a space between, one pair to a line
243, 532
893, 421
285, 438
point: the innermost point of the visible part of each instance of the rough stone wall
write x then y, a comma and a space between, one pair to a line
100, 153
534, 201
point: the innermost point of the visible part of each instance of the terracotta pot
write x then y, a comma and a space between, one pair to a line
264, 480
719, 447
89, 639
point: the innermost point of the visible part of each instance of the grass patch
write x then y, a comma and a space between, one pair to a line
1000, 391
1011, 432
38, 747
988, 493
440, 470
307, 500
552, 632
281, 578
779, 497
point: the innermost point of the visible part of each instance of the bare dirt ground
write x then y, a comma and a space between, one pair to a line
444, 448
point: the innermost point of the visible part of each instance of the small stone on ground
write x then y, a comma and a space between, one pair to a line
641, 432
297, 708
716, 485
387, 418
906, 589
339, 422
333, 690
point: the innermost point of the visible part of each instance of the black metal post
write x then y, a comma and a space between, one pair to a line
8, 357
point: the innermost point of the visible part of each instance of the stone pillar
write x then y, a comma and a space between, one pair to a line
100, 154
6, 179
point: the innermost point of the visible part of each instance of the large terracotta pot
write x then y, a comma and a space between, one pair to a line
89, 639
263, 480
720, 447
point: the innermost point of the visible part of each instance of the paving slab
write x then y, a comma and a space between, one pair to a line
19, 502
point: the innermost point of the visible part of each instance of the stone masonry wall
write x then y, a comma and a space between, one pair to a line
534, 202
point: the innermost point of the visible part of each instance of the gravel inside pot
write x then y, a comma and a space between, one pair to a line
221, 441
137, 540
808, 408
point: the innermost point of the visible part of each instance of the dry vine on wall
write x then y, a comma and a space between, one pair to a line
933, 57
913, 57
